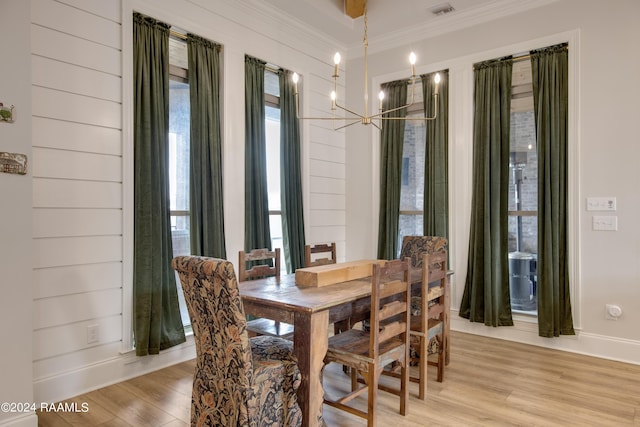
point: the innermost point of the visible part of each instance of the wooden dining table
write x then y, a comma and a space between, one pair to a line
311, 310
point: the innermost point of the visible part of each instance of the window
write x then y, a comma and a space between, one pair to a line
272, 130
179, 127
523, 192
412, 189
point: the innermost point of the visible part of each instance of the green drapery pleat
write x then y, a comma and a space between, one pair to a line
550, 93
436, 162
391, 144
157, 321
290, 175
205, 189
256, 203
486, 295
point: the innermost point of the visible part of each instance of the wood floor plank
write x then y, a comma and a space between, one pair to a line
489, 382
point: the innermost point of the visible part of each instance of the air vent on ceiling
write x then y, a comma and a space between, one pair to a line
442, 9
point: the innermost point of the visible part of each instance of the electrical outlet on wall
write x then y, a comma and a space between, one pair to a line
613, 312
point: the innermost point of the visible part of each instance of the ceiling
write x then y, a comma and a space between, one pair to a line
391, 18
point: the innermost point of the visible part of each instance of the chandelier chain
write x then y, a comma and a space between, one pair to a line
365, 40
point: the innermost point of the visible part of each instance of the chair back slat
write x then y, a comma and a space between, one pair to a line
320, 248
268, 264
390, 296
391, 330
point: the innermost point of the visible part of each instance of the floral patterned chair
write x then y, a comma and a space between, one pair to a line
238, 381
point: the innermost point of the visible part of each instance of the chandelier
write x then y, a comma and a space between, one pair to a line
351, 117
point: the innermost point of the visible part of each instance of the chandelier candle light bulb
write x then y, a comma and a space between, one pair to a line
295, 82
412, 61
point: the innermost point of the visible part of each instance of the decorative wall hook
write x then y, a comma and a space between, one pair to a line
6, 113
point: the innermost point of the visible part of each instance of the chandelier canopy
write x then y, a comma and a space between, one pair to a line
351, 117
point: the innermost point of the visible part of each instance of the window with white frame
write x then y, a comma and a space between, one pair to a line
523, 192
412, 185
179, 128
272, 130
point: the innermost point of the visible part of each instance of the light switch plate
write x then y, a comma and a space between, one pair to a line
605, 223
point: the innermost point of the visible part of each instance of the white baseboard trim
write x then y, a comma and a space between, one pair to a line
120, 368
605, 347
21, 420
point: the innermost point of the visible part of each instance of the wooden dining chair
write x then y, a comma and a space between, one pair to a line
264, 263
428, 333
428, 339
321, 248
385, 343
427, 330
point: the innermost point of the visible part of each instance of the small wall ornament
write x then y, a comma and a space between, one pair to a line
6, 113
13, 163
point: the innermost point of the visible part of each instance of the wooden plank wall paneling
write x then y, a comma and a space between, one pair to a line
320, 201
77, 182
56, 104
65, 251
76, 279
55, 193
327, 185
70, 136
327, 165
59, 340
73, 308
73, 50
76, 222
52, 163
50, 73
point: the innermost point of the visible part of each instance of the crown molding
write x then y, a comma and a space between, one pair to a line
259, 17
447, 24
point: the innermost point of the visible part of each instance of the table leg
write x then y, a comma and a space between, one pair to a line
447, 319
310, 342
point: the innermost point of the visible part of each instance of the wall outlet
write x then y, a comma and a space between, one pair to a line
601, 203
605, 223
93, 334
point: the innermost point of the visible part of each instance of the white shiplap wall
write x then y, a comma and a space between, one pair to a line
81, 158
326, 168
77, 182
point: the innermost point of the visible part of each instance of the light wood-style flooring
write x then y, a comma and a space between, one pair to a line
489, 382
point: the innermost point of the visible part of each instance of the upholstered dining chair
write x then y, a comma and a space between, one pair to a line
264, 263
238, 381
384, 344
414, 248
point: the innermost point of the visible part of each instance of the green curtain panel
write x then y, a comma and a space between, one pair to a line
550, 93
256, 204
391, 143
436, 162
157, 321
486, 294
205, 189
290, 175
